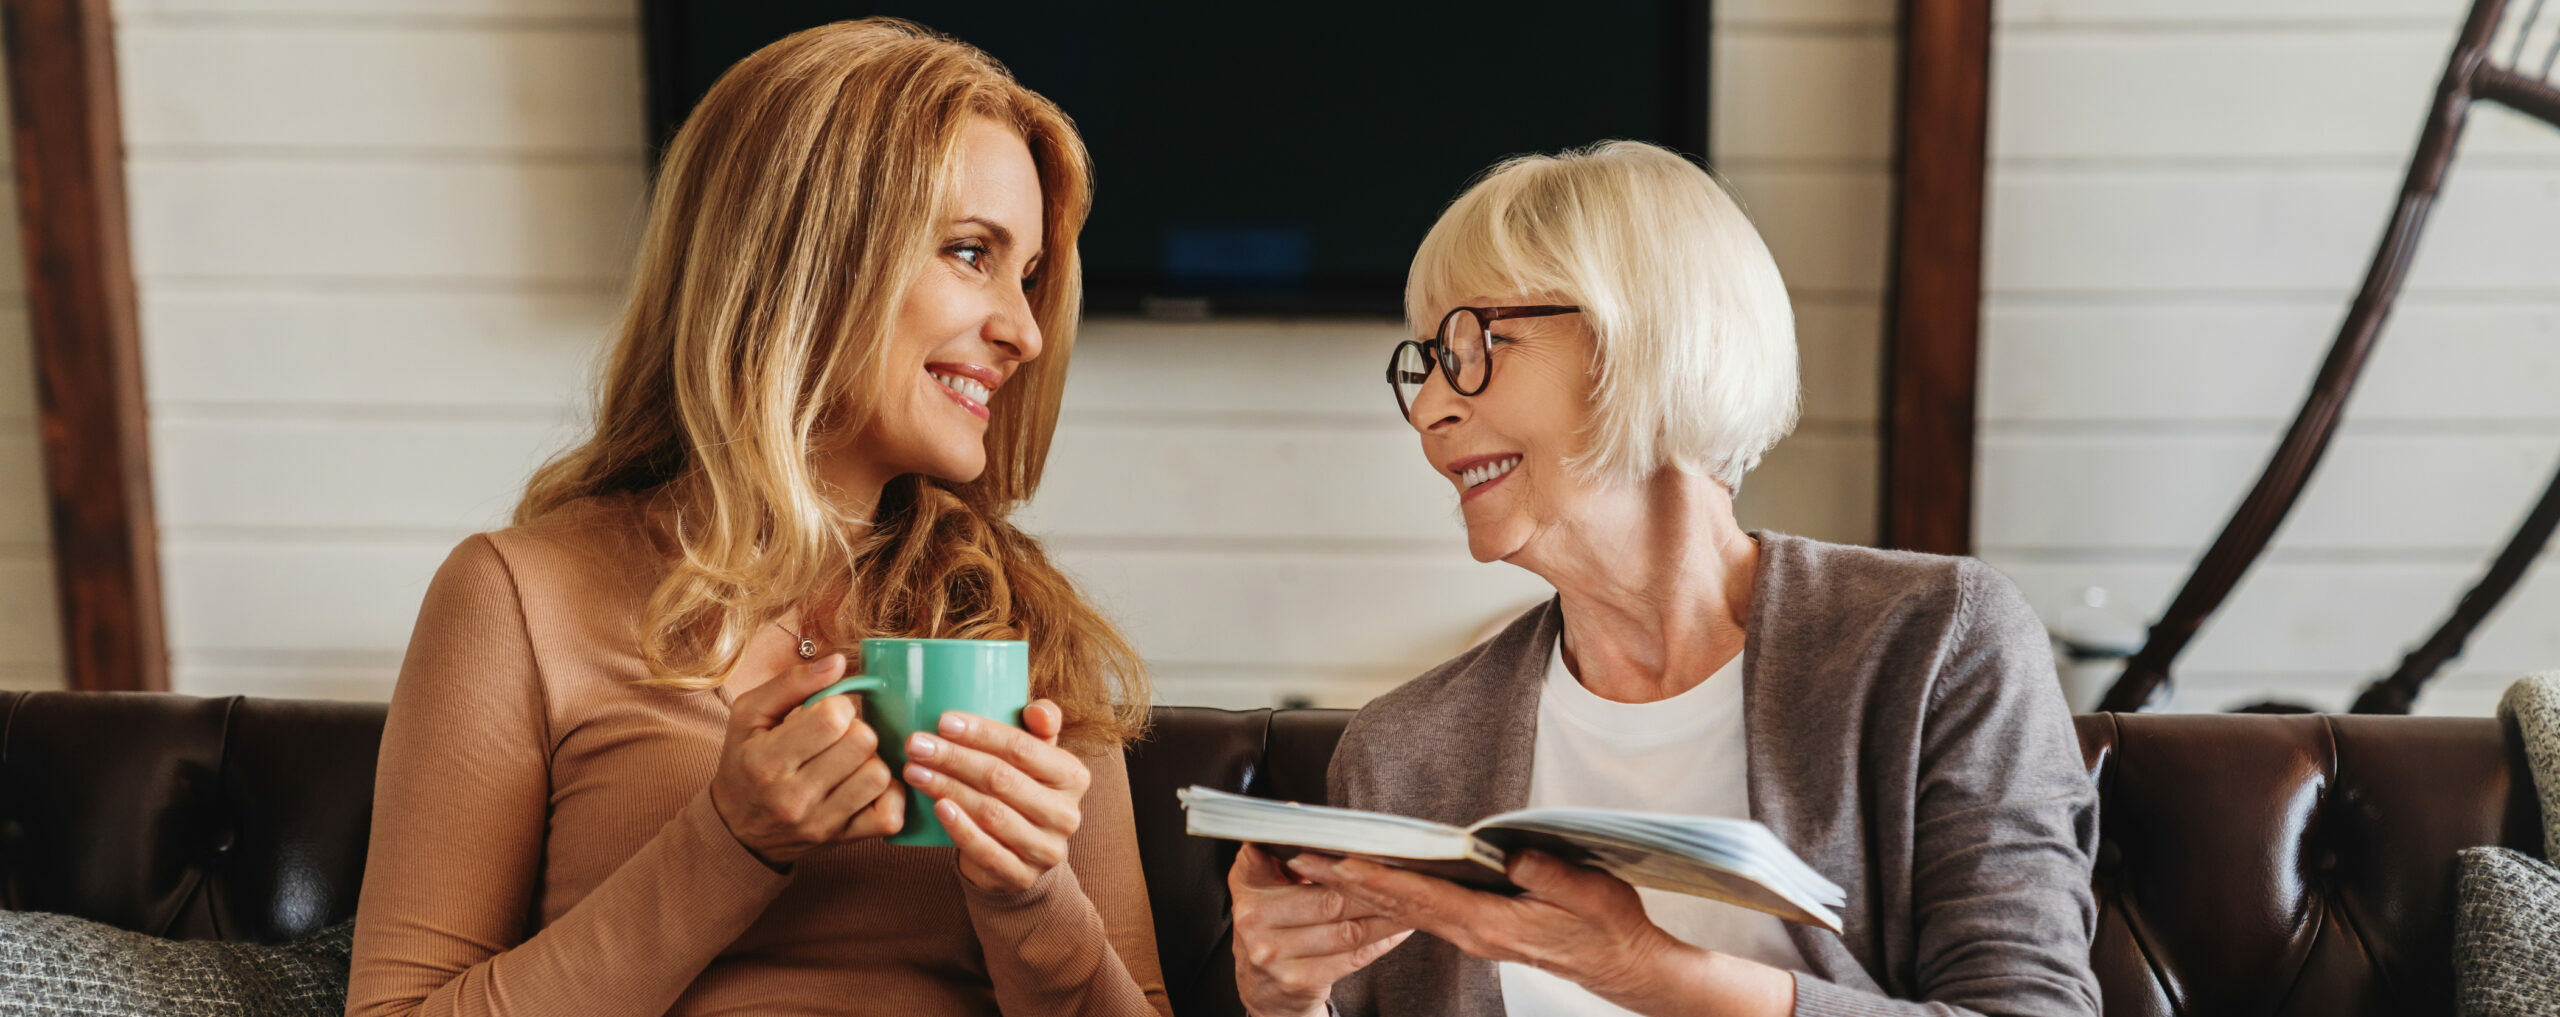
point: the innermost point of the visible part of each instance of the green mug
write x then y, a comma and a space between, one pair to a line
908, 684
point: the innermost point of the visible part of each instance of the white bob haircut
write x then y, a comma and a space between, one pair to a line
1696, 367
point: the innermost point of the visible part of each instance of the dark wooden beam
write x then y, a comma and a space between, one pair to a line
91, 417
1934, 309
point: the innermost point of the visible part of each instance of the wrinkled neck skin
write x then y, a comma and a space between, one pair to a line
1655, 582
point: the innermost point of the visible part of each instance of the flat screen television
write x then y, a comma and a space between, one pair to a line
1273, 159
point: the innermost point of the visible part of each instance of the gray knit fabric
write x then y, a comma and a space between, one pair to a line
2506, 940
2531, 709
59, 965
2506, 936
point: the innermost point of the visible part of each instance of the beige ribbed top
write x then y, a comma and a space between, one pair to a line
544, 841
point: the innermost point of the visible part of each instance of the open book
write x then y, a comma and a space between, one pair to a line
1732, 860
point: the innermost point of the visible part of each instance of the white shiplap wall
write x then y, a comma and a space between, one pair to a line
30, 635
2184, 195
378, 243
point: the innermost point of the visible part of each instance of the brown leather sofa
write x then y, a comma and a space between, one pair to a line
2249, 864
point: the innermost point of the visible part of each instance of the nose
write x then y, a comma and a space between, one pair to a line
1437, 407
1014, 329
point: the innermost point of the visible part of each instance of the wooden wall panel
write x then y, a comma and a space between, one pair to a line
1935, 307
80, 304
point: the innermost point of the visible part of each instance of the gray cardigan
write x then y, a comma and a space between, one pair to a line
1906, 736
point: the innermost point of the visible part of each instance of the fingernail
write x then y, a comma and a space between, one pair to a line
923, 746
919, 776
948, 810
954, 724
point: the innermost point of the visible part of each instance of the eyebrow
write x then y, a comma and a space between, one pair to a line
1003, 235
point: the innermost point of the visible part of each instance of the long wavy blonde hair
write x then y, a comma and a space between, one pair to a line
792, 211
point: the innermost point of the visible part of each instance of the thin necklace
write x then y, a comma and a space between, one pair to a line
808, 646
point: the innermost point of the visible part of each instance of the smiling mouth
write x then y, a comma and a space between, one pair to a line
1483, 475
970, 393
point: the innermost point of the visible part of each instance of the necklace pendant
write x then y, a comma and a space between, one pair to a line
808, 649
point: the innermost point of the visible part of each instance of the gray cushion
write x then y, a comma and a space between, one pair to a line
57, 964
2506, 940
2531, 708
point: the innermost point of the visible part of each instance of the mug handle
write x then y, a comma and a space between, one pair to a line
857, 683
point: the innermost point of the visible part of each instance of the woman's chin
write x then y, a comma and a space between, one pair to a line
1491, 544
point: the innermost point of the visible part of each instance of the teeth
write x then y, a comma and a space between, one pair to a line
966, 387
1489, 472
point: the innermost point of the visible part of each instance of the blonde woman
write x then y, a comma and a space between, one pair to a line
1604, 350
839, 369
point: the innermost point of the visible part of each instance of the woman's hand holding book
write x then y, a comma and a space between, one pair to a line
1572, 921
1294, 939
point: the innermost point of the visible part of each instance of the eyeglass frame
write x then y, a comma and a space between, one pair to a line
1435, 350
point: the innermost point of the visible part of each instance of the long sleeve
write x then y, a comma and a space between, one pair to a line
1081, 941
2004, 829
461, 804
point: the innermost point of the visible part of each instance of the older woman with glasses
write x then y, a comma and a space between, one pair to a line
1613, 353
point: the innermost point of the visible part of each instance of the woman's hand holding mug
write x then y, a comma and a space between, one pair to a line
1009, 797
1294, 939
791, 780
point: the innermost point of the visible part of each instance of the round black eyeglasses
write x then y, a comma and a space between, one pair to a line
1463, 349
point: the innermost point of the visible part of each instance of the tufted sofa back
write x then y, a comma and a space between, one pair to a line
2291, 864
183, 817
2254, 865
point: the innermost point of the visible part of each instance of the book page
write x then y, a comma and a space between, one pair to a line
1736, 861
1213, 813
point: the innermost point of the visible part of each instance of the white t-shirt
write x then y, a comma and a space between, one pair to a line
1683, 755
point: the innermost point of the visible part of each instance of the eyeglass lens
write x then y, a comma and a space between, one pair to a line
1410, 370
1463, 335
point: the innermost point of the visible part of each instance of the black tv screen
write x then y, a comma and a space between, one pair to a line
1273, 159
